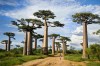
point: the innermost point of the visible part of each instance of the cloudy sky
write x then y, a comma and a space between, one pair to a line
63, 9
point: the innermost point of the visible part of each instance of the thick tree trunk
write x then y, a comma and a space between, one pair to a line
85, 40
25, 45
8, 49
29, 43
35, 43
6, 46
64, 49
53, 46
45, 41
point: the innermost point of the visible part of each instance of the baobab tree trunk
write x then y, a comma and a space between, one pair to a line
29, 43
85, 40
64, 49
45, 41
25, 45
53, 46
35, 43
8, 47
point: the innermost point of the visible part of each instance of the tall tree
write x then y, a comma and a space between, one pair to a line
28, 26
10, 35
64, 42
85, 19
46, 15
5, 42
53, 37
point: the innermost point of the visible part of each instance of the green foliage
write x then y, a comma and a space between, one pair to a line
44, 14
18, 60
10, 34
93, 64
17, 50
98, 32
15, 57
94, 51
74, 57
73, 51
54, 35
89, 18
37, 51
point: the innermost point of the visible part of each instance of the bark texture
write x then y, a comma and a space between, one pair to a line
29, 43
25, 45
45, 41
8, 47
53, 46
85, 40
35, 43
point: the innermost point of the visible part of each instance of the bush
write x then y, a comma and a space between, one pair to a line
94, 51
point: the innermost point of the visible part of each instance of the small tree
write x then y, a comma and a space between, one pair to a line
10, 35
64, 42
5, 42
58, 46
37, 36
53, 37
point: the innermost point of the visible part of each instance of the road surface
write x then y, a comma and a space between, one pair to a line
52, 61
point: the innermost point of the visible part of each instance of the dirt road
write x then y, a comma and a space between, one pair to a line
52, 61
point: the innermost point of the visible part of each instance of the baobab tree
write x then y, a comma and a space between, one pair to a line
58, 46
64, 42
53, 37
10, 35
85, 19
28, 26
46, 15
5, 42
37, 36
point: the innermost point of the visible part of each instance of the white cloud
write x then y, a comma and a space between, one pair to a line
10, 25
77, 38
8, 2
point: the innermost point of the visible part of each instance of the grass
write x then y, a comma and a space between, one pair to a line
93, 64
10, 61
74, 57
77, 58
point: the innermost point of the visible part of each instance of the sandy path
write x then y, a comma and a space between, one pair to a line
52, 61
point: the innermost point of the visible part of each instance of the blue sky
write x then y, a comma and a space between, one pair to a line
63, 9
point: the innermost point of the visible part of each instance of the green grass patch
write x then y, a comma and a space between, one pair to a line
10, 61
93, 64
74, 57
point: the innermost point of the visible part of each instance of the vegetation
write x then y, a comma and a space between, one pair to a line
15, 57
94, 52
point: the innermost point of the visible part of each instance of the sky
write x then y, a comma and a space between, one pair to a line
63, 9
